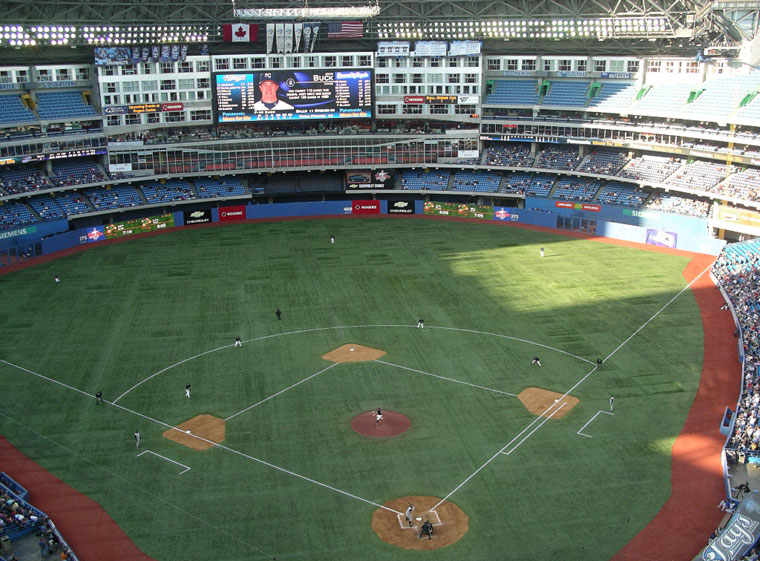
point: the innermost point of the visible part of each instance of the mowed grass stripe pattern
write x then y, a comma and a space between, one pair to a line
126, 311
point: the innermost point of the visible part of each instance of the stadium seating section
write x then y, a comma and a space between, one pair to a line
63, 105
111, 198
475, 181
425, 180
211, 188
566, 94
170, 191
513, 92
12, 110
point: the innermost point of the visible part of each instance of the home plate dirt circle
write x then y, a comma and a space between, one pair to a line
449, 523
391, 424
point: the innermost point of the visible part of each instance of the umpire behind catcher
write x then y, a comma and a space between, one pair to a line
427, 530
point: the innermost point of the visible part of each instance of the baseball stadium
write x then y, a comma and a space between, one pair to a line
316, 281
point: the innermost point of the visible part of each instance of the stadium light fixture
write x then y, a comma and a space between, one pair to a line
355, 12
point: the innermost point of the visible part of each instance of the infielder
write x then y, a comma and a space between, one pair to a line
187, 391
238, 342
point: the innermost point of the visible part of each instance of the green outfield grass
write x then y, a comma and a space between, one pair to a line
127, 311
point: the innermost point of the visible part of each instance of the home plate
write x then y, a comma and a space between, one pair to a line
418, 518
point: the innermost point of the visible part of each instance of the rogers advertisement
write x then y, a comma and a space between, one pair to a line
231, 213
365, 207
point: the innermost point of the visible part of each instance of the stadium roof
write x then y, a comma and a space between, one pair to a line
681, 24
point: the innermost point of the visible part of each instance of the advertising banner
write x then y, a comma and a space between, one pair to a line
461, 48
138, 226
231, 213
577, 206
442, 99
94, 234
505, 214
661, 238
458, 209
400, 207
197, 216
430, 48
369, 179
393, 48
737, 536
365, 207
743, 217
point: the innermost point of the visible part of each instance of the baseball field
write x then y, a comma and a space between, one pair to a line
273, 467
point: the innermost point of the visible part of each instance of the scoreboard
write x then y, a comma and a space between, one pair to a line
138, 226
278, 95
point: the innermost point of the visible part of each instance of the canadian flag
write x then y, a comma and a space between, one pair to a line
239, 32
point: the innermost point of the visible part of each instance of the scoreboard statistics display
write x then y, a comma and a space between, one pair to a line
138, 226
278, 95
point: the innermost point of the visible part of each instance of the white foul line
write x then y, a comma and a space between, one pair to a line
591, 419
281, 391
657, 313
167, 459
492, 458
577, 383
445, 378
194, 516
534, 430
212, 443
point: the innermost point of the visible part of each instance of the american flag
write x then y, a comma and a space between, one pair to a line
345, 30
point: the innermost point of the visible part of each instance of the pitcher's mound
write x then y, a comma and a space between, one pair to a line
351, 352
544, 402
206, 427
391, 424
449, 523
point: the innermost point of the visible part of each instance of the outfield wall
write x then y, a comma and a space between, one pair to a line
680, 232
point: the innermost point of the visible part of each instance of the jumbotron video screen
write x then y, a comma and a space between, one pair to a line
138, 226
278, 95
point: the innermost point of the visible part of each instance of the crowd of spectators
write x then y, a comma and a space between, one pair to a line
17, 181
737, 269
604, 162
679, 205
75, 173
239, 131
650, 168
558, 157
510, 155
16, 515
